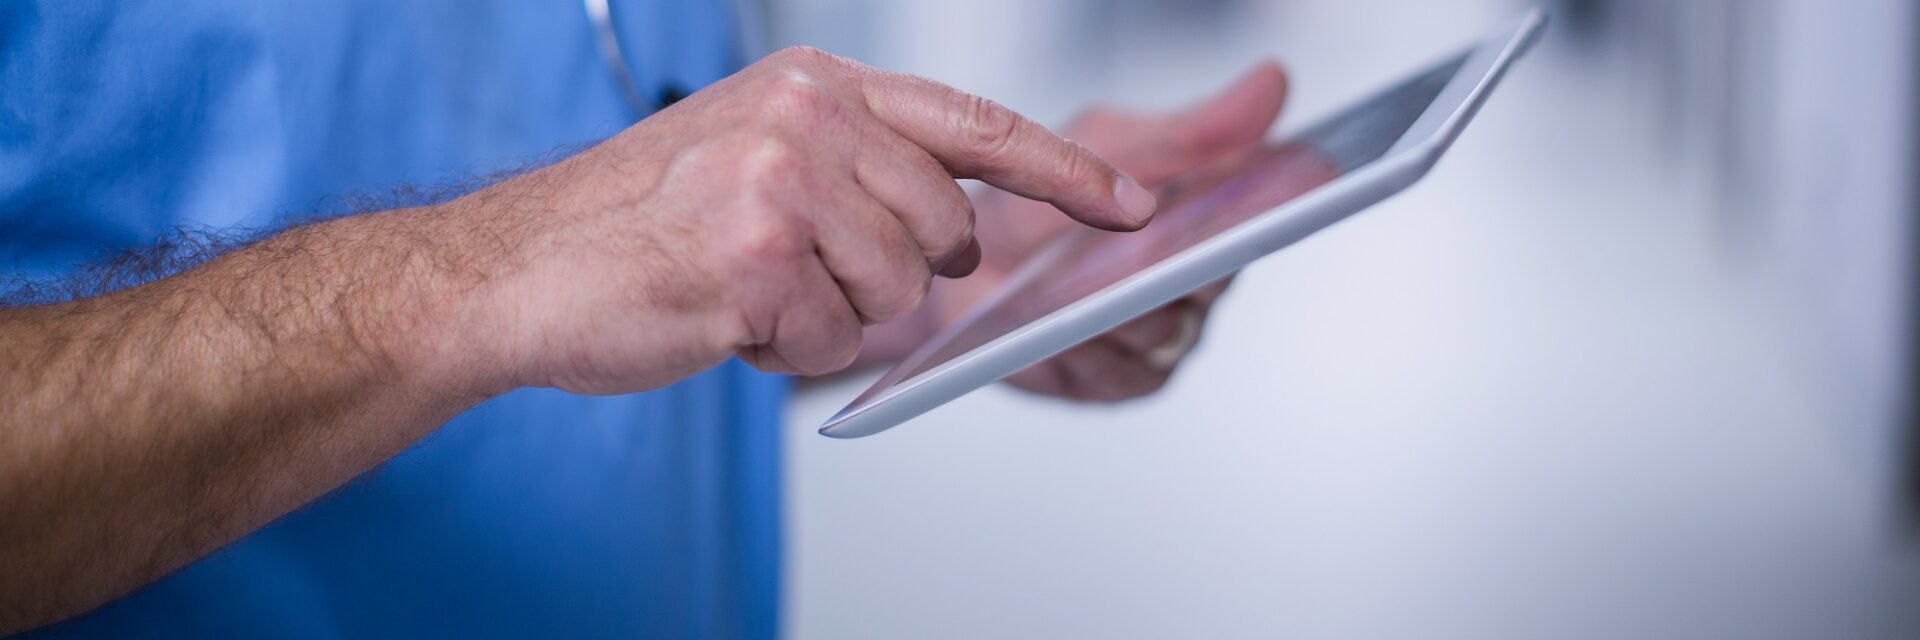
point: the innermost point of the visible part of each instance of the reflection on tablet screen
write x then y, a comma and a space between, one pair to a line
1083, 260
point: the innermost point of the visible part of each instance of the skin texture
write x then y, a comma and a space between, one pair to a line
777, 216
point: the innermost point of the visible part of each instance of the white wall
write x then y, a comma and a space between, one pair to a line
1529, 398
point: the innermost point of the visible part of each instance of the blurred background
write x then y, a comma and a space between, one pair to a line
1631, 362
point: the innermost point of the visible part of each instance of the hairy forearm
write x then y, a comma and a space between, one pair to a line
142, 429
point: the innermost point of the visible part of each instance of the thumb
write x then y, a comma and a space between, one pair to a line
1155, 148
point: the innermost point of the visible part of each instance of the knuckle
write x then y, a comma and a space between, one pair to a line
767, 243
768, 161
957, 233
953, 213
987, 127
845, 348
833, 350
917, 294
802, 55
798, 95
741, 327
900, 299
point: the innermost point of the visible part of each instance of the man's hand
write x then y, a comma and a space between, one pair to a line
1137, 357
771, 215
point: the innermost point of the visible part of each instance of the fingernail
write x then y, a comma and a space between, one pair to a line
1135, 201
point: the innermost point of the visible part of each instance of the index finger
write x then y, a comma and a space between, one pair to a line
974, 137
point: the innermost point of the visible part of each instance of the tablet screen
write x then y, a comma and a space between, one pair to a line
1083, 260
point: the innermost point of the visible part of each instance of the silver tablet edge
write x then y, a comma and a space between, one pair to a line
1404, 163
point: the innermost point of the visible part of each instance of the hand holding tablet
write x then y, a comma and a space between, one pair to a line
1088, 281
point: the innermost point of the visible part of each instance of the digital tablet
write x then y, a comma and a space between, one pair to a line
1086, 282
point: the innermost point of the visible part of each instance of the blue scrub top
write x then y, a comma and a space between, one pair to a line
538, 514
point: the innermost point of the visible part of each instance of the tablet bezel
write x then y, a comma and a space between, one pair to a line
1404, 162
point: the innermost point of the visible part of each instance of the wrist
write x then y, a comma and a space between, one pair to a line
435, 317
